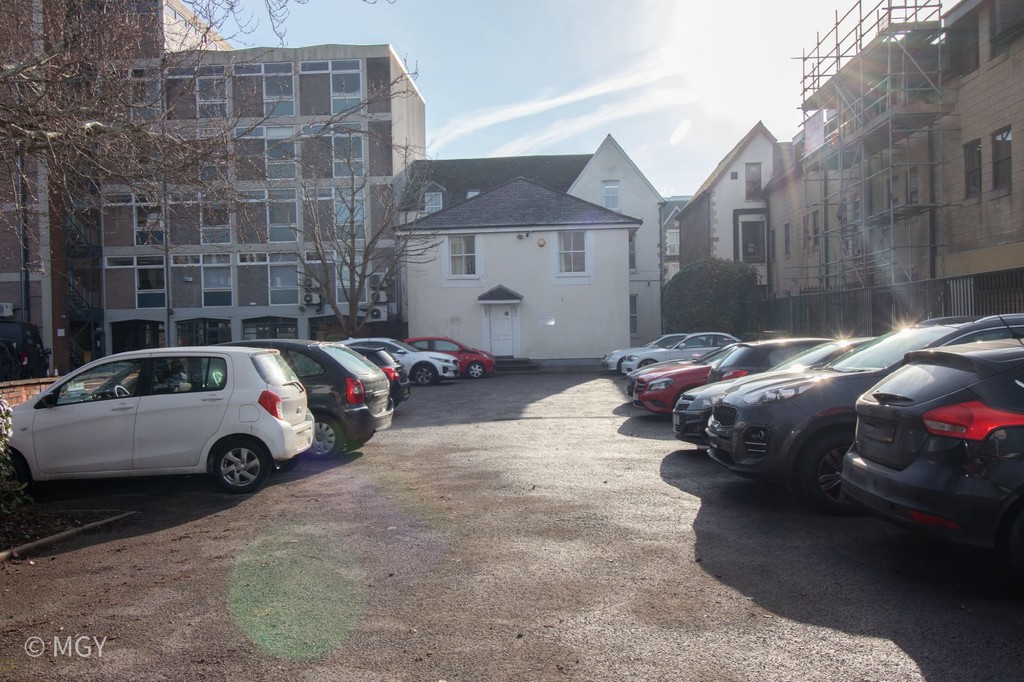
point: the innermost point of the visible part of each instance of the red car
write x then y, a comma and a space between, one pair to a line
472, 362
658, 388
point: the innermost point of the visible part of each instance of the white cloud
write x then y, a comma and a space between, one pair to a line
656, 67
644, 102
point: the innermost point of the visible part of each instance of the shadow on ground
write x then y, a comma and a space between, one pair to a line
925, 597
159, 502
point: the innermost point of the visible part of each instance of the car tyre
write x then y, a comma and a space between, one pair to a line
476, 369
1012, 550
241, 466
818, 474
329, 439
22, 474
645, 363
424, 374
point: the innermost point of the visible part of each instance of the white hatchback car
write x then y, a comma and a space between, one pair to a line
425, 367
231, 412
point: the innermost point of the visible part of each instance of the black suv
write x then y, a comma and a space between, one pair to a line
348, 395
939, 447
798, 427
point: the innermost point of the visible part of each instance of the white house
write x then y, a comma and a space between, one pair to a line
612, 180
526, 271
727, 216
608, 178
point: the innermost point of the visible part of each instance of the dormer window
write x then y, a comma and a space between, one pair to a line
431, 202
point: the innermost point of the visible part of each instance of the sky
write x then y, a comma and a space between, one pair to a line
677, 83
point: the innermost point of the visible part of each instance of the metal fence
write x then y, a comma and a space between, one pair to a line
876, 310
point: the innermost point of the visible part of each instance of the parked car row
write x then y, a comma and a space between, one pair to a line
236, 410
923, 426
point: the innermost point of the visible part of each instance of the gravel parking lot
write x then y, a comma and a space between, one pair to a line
516, 527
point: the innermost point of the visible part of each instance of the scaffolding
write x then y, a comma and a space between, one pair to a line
873, 105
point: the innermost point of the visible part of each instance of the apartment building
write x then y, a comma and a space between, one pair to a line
319, 132
289, 145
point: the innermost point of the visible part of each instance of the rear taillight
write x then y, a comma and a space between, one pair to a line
735, 374
271, 402
972, 420
932, 520
354, 394
390, 372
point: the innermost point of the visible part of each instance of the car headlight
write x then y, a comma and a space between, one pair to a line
660, 384
778, 394
631, 358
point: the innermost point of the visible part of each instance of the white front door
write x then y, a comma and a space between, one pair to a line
502, 320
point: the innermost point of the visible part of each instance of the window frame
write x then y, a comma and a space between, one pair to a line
753, 192
1002, 158
572, 251
610, 197
216, 262
467, 257
972, 169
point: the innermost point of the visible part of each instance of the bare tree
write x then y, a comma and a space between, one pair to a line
350, 264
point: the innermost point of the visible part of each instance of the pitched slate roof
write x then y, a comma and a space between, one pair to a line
499, 293
518, 204
458, 176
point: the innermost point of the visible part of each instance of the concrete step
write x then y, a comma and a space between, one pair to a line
509, 365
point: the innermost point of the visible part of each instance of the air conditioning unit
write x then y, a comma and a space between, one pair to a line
308, 283
378, 313
379, 296
309, 298
375, 280
6, 310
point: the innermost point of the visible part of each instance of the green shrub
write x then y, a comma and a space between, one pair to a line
12, 493
712, 294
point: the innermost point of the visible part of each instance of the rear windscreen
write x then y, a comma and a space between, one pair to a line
273, 369
349, 359
921, 382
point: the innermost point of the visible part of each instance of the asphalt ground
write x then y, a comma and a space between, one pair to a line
527, 527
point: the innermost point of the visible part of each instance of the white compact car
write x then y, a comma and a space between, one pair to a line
425, 367
690, 347
231, 412
613, 360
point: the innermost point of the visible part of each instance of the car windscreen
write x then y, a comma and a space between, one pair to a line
734, 355
811, 356
716, 355
888, 349
349, 359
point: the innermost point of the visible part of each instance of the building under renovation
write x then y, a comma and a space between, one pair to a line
896, 201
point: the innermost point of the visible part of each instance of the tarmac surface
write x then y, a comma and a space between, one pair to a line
528, 527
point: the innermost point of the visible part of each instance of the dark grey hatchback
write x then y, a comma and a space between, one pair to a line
348, 395
939, 446
798, 427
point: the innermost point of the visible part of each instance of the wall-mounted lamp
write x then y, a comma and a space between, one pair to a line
520, 236
541, 242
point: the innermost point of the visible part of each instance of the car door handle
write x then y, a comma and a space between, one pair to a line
211, 398
122, 408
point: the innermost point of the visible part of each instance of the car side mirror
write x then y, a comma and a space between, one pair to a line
47, 401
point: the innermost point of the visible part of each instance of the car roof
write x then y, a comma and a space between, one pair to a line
996, 354
785, 341
236, 349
